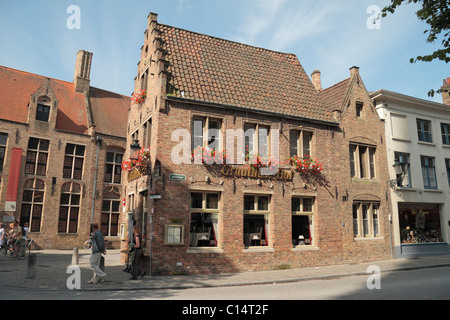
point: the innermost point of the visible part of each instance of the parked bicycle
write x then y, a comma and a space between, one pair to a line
24, 250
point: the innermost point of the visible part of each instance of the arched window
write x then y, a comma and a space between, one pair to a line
32, 204
69, 208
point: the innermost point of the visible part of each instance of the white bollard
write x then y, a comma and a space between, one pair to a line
75, 257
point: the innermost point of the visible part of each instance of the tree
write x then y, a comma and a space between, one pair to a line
436, 13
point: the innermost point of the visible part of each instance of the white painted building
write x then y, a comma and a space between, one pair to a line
418, 147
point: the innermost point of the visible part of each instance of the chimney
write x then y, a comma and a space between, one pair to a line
82, 71
315, 76
446, 91
354, 71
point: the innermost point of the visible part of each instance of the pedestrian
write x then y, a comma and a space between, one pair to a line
2, 234
98, 248
137, 242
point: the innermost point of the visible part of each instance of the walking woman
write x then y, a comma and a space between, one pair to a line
137, 241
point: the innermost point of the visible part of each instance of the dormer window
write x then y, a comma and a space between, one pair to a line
42, 112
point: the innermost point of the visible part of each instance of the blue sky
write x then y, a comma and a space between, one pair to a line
331, 36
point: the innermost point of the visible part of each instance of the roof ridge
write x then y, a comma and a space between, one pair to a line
34, 74
336, 84
231, 41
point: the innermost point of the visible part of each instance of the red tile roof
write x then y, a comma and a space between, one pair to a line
110, 110
334, 96
214, 70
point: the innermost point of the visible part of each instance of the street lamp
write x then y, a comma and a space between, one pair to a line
135, 148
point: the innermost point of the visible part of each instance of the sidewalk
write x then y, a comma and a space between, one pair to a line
51, 273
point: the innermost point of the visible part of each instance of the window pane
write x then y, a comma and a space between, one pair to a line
33, 143
70, 149
263, 203
249, 203
115, 206
197, 200
307, 137
109, 157
79, 151
263, 141
352, 161
295, 204
198, 133
293, 143
212, 201
65, 198
307, 204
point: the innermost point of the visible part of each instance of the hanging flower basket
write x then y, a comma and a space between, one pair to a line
139, 97
306, 165
142, 164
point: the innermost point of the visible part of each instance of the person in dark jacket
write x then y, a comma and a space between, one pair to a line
98, 248
137, 241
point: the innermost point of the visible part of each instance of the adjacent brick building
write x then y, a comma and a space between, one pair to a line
49, 133
326, 203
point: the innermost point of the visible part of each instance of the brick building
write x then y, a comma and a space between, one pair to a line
205, 93
52, 133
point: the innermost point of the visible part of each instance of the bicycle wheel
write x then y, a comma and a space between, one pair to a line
24, 252
2, 252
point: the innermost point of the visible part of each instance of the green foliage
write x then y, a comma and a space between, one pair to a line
436, 14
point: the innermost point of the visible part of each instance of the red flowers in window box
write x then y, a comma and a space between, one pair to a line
306, 164
208, 156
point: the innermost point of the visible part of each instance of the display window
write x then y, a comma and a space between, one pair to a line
419, 223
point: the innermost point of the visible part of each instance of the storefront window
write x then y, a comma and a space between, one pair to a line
302, 220
256, 220
419, 223
204, 219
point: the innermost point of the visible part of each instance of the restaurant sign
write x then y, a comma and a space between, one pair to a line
232, 171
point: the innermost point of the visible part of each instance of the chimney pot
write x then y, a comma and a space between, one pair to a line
316, 80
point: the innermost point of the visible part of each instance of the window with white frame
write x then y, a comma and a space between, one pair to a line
366, 221
174, 234
404, 179
257, 140
206, 132
445, 131
362, 161
428, 172
302, 220
204, 227
256, 220
424, 130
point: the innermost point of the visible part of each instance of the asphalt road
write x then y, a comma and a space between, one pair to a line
422, 284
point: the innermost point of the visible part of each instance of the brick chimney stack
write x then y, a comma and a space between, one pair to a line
446, 91
315, 77
82, 71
